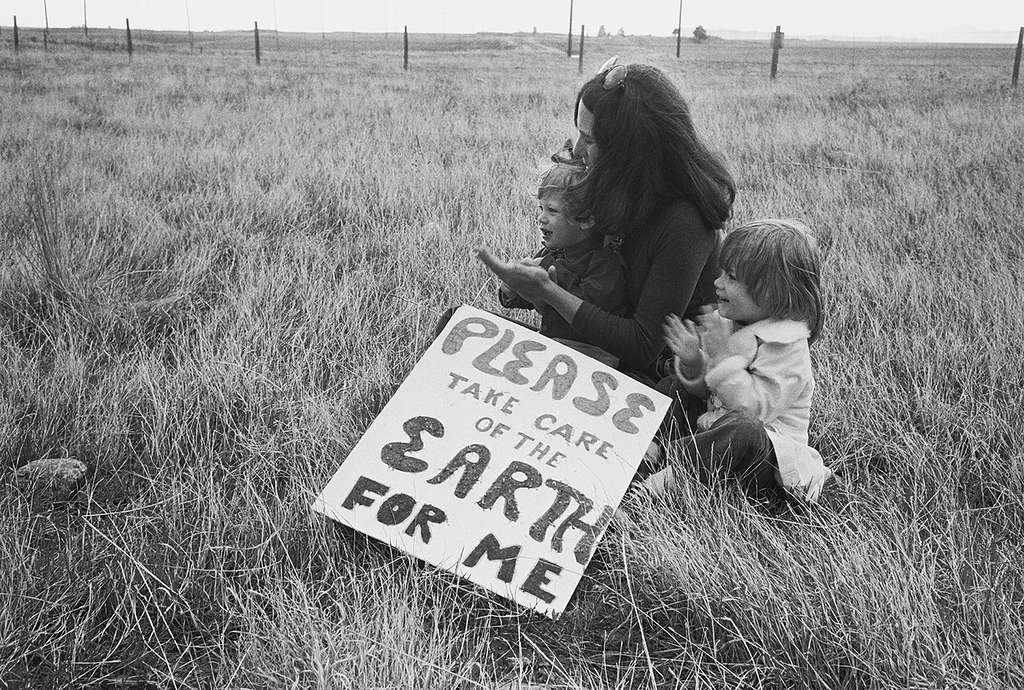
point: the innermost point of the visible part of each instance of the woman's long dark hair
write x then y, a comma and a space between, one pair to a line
649, 154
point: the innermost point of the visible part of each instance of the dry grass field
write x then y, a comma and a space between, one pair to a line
213, 275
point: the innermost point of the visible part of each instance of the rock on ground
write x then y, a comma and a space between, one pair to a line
50, 480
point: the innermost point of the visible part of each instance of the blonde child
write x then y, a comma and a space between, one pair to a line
577, 257
751, 357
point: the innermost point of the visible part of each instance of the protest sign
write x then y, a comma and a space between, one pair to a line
501, 457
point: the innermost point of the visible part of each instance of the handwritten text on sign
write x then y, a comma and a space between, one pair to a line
501, 458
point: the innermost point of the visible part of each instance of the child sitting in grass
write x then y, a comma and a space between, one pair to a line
577, 257
751, 357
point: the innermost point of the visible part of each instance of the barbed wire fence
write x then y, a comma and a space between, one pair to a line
775, 59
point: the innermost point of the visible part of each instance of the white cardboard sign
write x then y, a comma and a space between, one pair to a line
501, 458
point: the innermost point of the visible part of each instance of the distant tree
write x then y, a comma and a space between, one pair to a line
675, 31
601, 33
620, 32
534, 31
700, 35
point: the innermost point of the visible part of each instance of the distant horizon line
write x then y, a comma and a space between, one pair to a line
983, 36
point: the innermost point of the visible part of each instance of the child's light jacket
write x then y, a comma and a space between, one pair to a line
767, 374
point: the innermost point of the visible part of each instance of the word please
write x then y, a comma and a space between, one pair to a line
509, 359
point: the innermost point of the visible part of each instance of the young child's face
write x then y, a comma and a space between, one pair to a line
734, 300
557, 229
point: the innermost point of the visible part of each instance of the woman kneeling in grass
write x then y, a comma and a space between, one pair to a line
654, 185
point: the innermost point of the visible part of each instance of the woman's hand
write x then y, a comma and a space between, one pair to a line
526, 278
682, 338
506, 290
507, 293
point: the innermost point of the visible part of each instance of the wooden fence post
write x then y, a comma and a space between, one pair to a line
128, 33
1017, 58
776, 45
405, 50
15, 34
582, 30
256, 35
679, 29
85, 18
188, 25
46, 27
568, 50
277, 34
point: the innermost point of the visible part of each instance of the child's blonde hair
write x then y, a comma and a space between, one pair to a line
779, 262
566, 179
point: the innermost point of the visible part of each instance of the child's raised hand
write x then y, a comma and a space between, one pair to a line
707, 312
682, 338
714, 337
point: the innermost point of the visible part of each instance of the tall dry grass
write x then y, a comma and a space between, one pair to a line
213, 277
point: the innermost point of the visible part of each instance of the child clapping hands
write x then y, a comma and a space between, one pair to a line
750, 357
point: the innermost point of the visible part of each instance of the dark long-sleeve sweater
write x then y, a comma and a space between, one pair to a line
670, 268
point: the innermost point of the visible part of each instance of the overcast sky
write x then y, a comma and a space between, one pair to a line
921, 19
